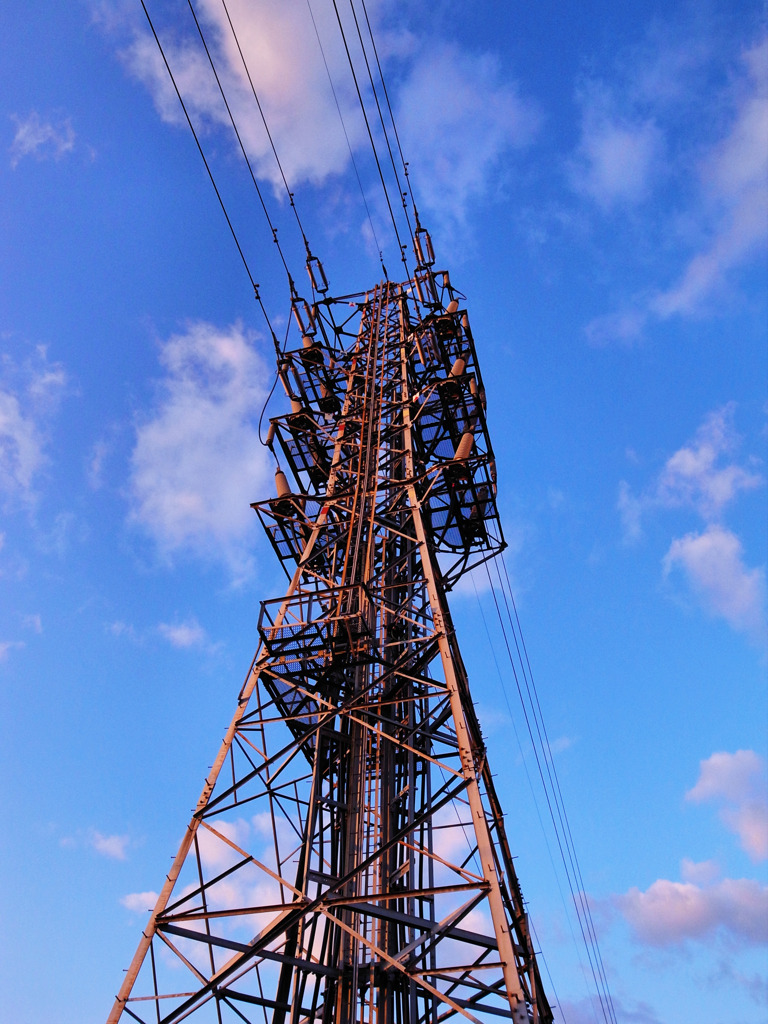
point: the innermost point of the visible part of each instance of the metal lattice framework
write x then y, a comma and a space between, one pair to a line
347, 860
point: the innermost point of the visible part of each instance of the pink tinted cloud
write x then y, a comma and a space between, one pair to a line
739, 783
668, 913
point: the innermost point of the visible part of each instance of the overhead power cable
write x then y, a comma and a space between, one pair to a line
403, 193
546, 747
543, 756
371, 138
272, 227
389, 105
288, 191
346, 136
210, 175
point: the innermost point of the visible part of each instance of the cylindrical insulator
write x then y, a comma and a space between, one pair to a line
465, 322
464, 447
446, 279
270, 435
283, 375
281, 484
452, 306
296, 405
458, 368
492, 469
317, 274
424, 252
425, 288
473, 387
304, 316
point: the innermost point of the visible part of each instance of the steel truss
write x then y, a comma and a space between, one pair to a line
347, 861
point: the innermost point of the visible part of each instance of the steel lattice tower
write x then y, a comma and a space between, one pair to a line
347, 861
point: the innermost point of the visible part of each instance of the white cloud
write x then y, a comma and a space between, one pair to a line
739, 781
456, 140
198, 462
692, 475
701, 475
669, 913
29, 393
458, 133
714, 567
139, 902
40, 138
6, 646
618, 156
699, 873
298, 105
125, 629
183, 634
33, 622
735, 178
728, 202
113, 847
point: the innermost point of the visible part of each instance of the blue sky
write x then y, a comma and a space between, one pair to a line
595, 179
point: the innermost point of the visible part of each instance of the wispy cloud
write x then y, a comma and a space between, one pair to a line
139, 902
702, 475
29, 394
197, 462
33, 622
112, 846
459, 142
6, 646
41, 138
737, 782
714, 567
183, 634
704, 905
735, 182
728, 200
618, 155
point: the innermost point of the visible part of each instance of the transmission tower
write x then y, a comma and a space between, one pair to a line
347, 861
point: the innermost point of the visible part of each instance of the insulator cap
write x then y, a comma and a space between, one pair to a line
296, 405
452, 306
464, 447
281, 484
458, 368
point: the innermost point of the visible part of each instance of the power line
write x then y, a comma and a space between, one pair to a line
210, 174
269, 133
403, 194
273, 229
567, 854
554, 779
346, 136
370, 137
